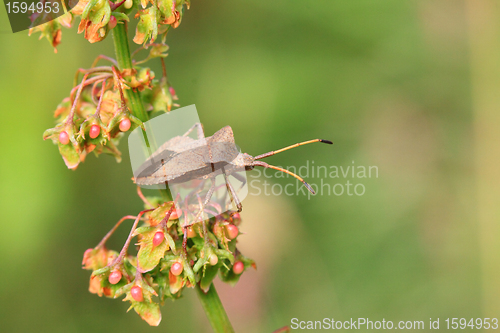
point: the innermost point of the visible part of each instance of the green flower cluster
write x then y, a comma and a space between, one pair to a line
95, 115
170, 258
99, 17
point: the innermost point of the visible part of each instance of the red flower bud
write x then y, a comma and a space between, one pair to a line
232, 231
115, 277
86, 256
64, 138
176, 268
94, 130
217, 228
176, 213
158, 238
125, 125
190, 232
172, 92
112, 22
136, 293
238, 267
213, 259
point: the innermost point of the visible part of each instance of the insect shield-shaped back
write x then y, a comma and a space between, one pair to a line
200, 172
181, 159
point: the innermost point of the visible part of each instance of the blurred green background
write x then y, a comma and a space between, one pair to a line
408, 86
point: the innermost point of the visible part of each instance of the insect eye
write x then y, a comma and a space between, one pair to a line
249, 167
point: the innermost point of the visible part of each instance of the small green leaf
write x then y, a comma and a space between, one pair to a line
226, 271
147, 28
163, 290
166, 9
51, 133
171, 242
227, 274
101, 270
188, 271
142, 230
69, 155
199, 264
149, 312
208, 276
158, 51
110, 148
149, 256
109, 290
94, 17
161, 99
120, 16
124, 289
199, 242
176, 282
90, 6
50, 30
157, 215
148, 290
225, 254
155, 201
94, 259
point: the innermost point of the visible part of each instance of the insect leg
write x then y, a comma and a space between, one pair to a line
184, 240
239, 177
199, 130
207, 199
202, 209
232, 192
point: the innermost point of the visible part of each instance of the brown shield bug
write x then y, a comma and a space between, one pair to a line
183, 158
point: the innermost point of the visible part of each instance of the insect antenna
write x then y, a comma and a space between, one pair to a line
265, 165
271, 153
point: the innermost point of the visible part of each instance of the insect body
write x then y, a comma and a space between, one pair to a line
183, 158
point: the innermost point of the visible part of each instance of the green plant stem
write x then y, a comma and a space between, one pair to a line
122, 51
210, 301
124, 59
214, 310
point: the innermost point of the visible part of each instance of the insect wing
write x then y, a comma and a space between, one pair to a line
163, 155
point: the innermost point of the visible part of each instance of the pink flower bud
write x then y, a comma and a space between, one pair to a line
172, 92
158, 238
217, 229
136, 293
213, 259
112, 22
232, 231
190, 232
176, 268
64, 138
238, 267
94, 131
125, 125
86, 256
115, 277
176, 213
